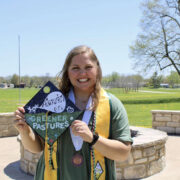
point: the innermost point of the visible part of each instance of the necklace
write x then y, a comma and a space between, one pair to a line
77, 158
93, 129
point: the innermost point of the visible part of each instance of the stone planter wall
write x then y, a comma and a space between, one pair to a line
146, 158
6, 125
147, 155
168, 121
28, 160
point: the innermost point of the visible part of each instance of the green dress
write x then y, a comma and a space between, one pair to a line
119, 130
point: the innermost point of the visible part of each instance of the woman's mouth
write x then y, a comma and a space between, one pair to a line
83, 80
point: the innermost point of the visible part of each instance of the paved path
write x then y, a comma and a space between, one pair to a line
10, 153
156, 92
9, 160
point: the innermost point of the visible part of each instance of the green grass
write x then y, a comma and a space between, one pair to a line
9, 98
147, 98
140, 114
138, 104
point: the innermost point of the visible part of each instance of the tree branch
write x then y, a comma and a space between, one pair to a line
165, 66
166, 48
174, 19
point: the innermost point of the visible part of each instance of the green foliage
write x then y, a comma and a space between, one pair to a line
112, 78
173, 79
155, 80
30, 81
15, 79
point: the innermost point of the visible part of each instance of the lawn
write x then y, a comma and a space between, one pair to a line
9, 98
140, 114
138, 104
142, 97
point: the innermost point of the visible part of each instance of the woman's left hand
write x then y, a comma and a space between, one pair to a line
80, 128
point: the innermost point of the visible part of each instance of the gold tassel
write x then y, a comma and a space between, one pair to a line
50, 172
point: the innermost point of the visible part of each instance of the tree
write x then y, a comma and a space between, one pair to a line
111, 80
158, 45
155, 80
15, 79
173, 79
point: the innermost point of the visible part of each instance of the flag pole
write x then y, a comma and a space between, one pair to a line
19, 68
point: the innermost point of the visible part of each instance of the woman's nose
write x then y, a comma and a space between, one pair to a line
82, 71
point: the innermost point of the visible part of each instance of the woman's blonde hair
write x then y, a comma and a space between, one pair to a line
64, 82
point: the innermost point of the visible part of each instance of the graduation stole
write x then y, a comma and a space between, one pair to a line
98, 168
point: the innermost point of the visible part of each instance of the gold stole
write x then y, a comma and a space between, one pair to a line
102, 128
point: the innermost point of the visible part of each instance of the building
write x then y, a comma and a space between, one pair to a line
164, 85
3, 85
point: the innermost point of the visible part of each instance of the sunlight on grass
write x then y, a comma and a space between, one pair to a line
137, 104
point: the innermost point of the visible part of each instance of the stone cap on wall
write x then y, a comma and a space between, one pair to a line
165, 111
148, 137
7, 114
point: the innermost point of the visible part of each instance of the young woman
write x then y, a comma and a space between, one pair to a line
88, 148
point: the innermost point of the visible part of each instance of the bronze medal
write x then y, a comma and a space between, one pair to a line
77, 160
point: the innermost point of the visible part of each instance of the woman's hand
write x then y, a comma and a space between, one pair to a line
19, 122
80, 128
30, 140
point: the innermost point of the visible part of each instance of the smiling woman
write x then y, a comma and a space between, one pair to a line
87, 148
82, 73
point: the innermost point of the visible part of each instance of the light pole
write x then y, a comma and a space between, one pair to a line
19, 68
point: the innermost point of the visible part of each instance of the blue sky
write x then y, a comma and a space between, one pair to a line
50, 29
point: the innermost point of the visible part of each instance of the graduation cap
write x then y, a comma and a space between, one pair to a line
49, 113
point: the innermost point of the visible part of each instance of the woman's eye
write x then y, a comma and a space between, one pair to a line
89, 67
75, 68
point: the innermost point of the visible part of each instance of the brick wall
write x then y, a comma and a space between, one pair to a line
166, 120
6, 125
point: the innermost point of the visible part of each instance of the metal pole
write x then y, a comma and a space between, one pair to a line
19, 69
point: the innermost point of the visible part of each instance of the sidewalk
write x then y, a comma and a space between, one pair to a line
9, 160
10, 154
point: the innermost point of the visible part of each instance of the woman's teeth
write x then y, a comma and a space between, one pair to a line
83, 80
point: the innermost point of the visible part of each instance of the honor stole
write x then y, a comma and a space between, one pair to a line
103, 129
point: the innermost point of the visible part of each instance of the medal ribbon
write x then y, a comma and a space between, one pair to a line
77, 140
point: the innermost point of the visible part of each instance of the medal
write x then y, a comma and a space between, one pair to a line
77, 159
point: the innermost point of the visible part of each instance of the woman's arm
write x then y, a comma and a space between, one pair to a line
30, 140
112, 149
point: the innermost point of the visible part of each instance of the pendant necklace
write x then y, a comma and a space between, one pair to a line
77, 158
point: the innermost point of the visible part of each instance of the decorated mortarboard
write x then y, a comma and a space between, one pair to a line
49, 113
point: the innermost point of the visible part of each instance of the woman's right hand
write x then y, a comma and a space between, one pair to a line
19, 122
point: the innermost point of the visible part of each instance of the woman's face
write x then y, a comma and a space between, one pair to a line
82, 73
